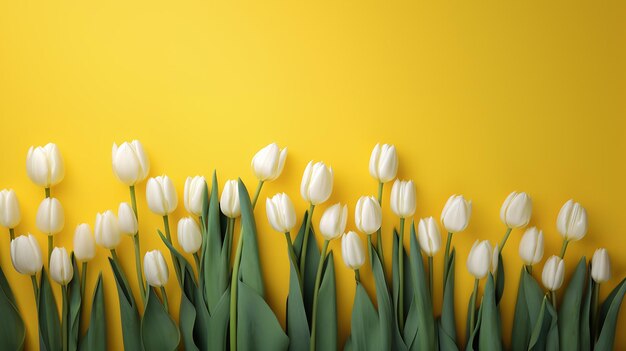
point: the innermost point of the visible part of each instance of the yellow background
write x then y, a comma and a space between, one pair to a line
480, 98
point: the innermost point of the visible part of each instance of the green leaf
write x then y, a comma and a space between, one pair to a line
490, 338
187, 312
499, 280
521, 325
327, 308
447, 323
312, 261
13, 332
158, 329
585, 321
250, 266
96, 339
474, 336
471, 311
129, 316
297, 323
569, 311
365, 330
424, 308
609, 315
75, 305
403, 338
217, 322
385, 309
535, 300
552, 339
49, 324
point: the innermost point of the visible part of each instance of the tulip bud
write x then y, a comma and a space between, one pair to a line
531, 246
194, 194
429, 236
333, 221
107, 230
600, 266
479, 259
130, 163
456, 214
229, 201
280, 213
44, 165
403, 198
384, 163
368, 215
61, 269
352, 250
9, 209
189, 235
155, 268
161, 195
516, 210
553, 273
572, 221
84, 244
317, 183
26, 255
50, 216
268, 162
127, 220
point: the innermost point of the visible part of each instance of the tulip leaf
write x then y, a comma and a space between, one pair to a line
327, 308
499, 283
447, 323
490, 338
521, 325
49, 324
471, 311
536, 311
216, 323
569, 311
424, 308
13, 332
365, 330
297, 323
129, 315
609, 315
75, 305
585, 313
96, 339
474, 335
410, 329
250, 266
552, 339
158, 329
385, 310
312, 261
187, 311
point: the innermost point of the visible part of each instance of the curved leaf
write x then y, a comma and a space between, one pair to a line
499, 279
447, 323
158, 330
96, 339
49, 324
611, 305
312, 261
13, 332
129, 316
385, 310
257, 326
75, 305
250, 266
187, 312
521, 325
327, 308
424, 308
490, 338
569, 310
297, 323
217, 322
365, 331
215, 273
585, 321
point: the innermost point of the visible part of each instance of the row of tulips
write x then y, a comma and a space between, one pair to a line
223, 304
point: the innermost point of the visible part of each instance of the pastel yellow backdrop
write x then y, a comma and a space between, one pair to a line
480, 99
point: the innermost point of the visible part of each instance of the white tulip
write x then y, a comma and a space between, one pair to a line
516, 210
193, 197
479, 259
429, 236
84, 243
384, 163
9, 209
50, 216
531, 246
352, 250
189, 235
456, 214
268, 162
572, 221
553, 273
317, 183
44, 165
368, 215
229, 201
403, 198
155, 268
333, 221
130, 163
107, 230
280, 213
26, 255
600, 266
61, 269
127, 220
161, 195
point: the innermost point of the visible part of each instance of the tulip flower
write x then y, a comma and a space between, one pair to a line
515, 213
194, 194
130, 163
26, 255
368, 215
161, 195
571, 223
333, 221
126, 219
317, 183
280, 213
531, 246
552, 276
429, 236
50, 216
229, 201
352, 252
456, 214
107, 230
479, 259
403, 198
156, 272
9, 210
600, 266
61, 269
84, 243
268, 162
384, 163
44, 166
189, 236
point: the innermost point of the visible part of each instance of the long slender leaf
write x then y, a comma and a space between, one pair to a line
535, 300
250, 269
312, 261
257, 328
49, 324
426, 324
521, 325
447, 323
552, 338
158, 329
75, 305
585, 315
327, 308
611, 305
13, 332
217, 324
129, 315
365, 329
96, 339
499, 279
385, 309
569, 311
403, 338
297, 323
215, 272
490, 338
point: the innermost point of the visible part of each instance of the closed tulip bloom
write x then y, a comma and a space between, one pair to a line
9, 209
44, 165
50, 216
368, 215
403, 198
531, 246
429, 236
572, 221
161, 195
600, 266
516, 210
268, 162
84, 243
479, 259
126, 219
155, 268
130, 163
229, 201
333, 221
553, 273
352, 250
107, 230
280, 213
317, 183
456, 214
384, 163
61, 270
193, 198
26, 255
189, 235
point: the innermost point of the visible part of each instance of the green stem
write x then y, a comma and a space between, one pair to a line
164, 296
357, 275
446, 259
473, 305
133, 200
196, 258
553, 298
142, 287
33, 279
233, 296
431, 287
595, 297
114, 255
529, 269
64, 319
292, 257
47, 191
318, 279
83, 282
166, 225
230, 231
257, 193
379, 240
506, 237
50, 248
12, 233
401, 272
564, 247
305, 243
369, 244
